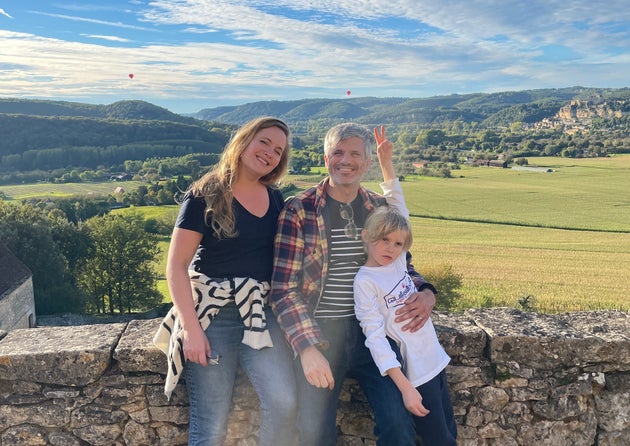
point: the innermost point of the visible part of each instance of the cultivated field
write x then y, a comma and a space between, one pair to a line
561, 236
39, 190
564, 270
575, 194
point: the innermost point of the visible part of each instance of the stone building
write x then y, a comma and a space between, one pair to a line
17, 302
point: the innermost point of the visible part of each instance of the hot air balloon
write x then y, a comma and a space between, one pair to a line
130, 75
348, 93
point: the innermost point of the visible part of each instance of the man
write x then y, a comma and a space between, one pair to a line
318, 251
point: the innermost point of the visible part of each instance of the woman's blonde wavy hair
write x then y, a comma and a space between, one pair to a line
216, 185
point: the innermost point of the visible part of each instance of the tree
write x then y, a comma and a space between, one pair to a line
300, 162
118, 274
81, 208
40, 243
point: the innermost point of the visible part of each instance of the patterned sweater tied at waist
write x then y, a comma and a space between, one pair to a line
249, 295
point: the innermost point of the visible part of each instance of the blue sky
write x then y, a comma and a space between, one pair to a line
186, 55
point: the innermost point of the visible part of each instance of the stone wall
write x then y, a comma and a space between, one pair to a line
517, 379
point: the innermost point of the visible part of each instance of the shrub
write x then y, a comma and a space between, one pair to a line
527, 303
521, 161
447, 282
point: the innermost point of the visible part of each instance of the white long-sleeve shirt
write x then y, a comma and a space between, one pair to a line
378, 292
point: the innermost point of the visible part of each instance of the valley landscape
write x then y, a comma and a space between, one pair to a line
551, 234
560, 239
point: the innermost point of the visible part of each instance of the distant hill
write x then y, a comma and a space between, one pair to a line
487, 109
118, 110
28, 125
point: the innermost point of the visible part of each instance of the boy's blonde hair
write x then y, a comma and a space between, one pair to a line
385, 220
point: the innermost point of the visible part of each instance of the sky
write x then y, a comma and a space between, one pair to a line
187, 55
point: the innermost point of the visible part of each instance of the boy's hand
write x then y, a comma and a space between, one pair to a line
413, 402
384, 147
384, 152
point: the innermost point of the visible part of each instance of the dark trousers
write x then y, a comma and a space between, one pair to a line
438, 428
349, 357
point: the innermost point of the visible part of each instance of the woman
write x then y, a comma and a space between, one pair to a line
218, 271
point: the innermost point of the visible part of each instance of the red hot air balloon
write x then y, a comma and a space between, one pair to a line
130, 75
348, 93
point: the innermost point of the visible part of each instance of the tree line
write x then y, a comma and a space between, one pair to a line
25, 132
147, 169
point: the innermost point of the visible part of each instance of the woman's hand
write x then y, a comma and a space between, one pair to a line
195, 345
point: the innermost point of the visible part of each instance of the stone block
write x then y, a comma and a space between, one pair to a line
550, 342
461, 338
71, 356
136, 352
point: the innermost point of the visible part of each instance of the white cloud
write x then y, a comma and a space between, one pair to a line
89, 20
4, 13
252, 50
109, 38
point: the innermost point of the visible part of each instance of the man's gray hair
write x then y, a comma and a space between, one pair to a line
341, 132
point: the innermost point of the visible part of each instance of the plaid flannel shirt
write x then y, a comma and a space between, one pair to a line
301, 264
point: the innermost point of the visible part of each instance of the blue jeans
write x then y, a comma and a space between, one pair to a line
438, 427
269, 370
349, 357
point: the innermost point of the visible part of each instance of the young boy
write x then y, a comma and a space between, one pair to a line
380, 286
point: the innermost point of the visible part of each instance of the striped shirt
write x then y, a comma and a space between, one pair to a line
346, 257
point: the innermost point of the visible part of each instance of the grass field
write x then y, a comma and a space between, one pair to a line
564, 270
577, 194
561, 236
151, 211
42, 190
586, 265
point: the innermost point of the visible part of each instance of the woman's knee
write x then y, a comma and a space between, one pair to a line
281, 403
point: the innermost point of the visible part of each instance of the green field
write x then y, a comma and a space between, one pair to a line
564, 270
586, 265
151, 211
43, 190
561, 236
577, 194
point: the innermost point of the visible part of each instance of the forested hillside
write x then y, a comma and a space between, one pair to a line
21, 133
39, 136
35, 125
117, 110
44, 140
485, 109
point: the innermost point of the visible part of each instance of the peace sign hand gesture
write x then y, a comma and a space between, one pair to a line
384, 152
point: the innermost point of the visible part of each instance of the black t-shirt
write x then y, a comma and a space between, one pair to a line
249, 254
